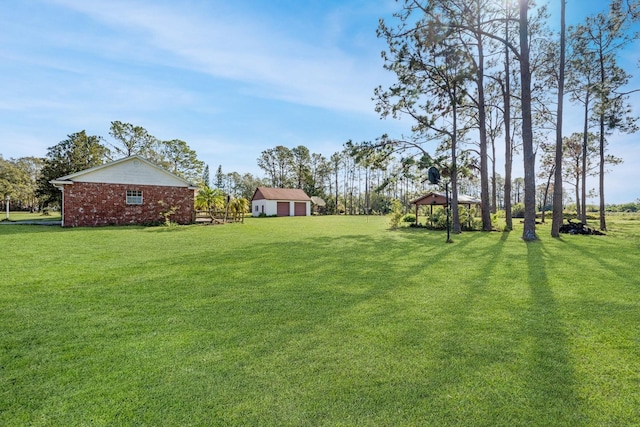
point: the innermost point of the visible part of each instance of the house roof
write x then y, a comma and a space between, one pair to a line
128, 170
290, 194
436, 198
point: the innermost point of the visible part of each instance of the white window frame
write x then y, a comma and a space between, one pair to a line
134, 197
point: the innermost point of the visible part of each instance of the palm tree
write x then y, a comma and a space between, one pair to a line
238, 207
209, 199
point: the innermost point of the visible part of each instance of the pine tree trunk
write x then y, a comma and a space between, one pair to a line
482, 124
529, 231
558, 215
454, 168
508, 156
603, 223
585, 140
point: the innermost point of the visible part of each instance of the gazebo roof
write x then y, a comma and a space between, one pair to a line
318, 201
436, 198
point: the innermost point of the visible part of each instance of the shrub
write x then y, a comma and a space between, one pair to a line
409, 218
438, 220
168, 213
397, 212
517, 210
468, 217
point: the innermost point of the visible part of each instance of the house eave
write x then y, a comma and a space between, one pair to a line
59, 184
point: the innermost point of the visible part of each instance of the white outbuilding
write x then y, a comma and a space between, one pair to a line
280, 202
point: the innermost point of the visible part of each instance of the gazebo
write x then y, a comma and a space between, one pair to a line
317, 203
434, 198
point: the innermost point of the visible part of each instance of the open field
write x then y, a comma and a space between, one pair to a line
318, 321
30, 216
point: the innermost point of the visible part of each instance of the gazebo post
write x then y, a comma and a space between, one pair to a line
431, 216
446, 187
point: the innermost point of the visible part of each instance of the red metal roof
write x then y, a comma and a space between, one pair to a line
435, 198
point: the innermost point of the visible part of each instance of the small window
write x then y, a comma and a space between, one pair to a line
134, 197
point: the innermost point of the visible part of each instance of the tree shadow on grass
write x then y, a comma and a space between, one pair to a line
26, 229
550, 374
435, 384
321, 322
355, 326
502, 358
612, 259
461, 346
455, 387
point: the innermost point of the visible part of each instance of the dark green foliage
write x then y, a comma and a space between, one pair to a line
131, 139
409, 218
624, 207
206, 177
180, 159
78, 152
517, 210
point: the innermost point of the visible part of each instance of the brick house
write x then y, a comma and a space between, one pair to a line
131, 190
280, 202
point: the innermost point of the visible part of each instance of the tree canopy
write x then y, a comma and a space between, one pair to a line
78, 152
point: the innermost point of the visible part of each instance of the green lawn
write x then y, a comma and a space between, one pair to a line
30, 216
318, 321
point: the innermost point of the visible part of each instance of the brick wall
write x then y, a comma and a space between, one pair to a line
88, 204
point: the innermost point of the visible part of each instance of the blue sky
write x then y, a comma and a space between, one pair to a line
230, 78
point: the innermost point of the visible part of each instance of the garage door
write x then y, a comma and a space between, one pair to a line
283, 208
300, 209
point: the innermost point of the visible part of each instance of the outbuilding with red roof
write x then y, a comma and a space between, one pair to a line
280, 202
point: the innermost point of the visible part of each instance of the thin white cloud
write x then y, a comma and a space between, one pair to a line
244, 49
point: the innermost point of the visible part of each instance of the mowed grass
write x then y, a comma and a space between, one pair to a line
29, 216
317, 321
